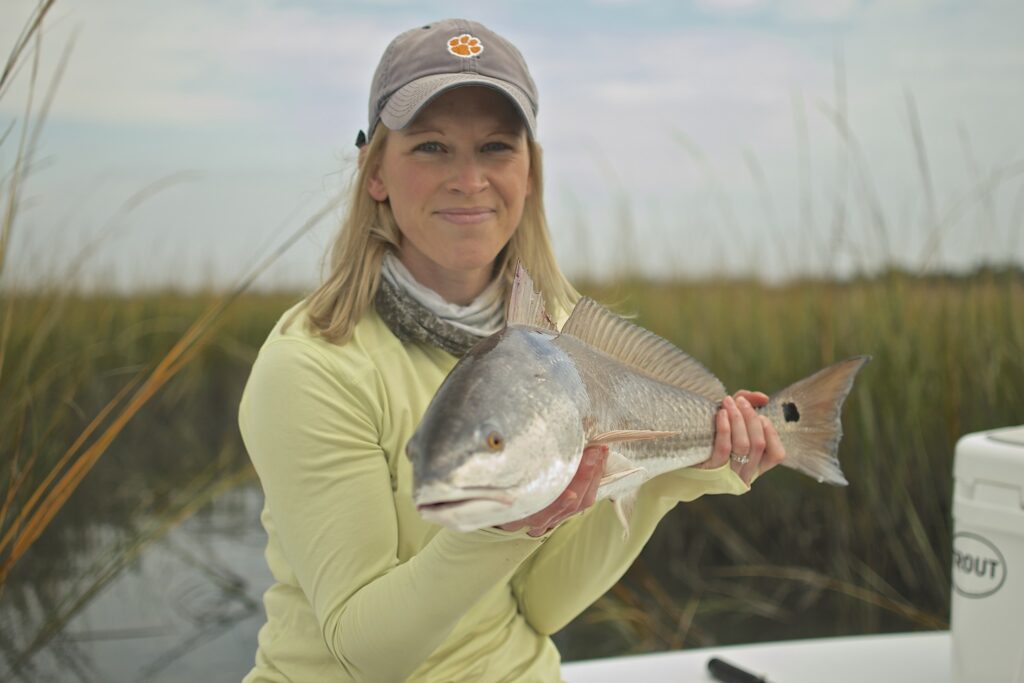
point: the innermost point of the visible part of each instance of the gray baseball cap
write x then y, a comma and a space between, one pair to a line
424, 62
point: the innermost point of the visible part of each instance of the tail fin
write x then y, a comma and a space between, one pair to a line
806, 416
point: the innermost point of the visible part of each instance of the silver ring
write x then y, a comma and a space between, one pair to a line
741, 459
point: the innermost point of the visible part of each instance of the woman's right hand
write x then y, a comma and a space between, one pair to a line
741, 431
577, 497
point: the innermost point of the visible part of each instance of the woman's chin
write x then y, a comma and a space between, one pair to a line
471, 260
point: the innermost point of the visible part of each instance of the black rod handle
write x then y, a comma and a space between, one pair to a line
729, 673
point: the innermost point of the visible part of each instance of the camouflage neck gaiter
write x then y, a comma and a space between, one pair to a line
411, 321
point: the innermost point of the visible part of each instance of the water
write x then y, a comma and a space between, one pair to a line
110, 594
187, 608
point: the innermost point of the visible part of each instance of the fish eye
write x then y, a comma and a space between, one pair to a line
495, 442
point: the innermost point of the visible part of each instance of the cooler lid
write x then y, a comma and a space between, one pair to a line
990, 466
1011, 435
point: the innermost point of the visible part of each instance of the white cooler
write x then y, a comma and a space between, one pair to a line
987, 622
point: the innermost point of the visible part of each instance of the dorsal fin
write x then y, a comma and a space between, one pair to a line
641, 349
525, 303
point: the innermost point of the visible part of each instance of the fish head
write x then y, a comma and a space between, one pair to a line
503, 435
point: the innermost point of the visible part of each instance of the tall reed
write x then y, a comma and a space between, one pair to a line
35, 491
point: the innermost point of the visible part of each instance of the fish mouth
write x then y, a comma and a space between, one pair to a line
466, 510
452, 503
449, 504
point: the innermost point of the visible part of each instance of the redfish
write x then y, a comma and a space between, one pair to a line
505, 432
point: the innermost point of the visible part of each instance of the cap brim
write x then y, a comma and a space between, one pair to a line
407, 101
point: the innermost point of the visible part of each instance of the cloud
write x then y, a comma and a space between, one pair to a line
278, 88
729, 6
818, 10
697, 78
140, 62
796, 11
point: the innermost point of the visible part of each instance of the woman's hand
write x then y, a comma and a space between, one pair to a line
580, 494
744, 438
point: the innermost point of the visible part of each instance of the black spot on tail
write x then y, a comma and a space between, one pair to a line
790, 412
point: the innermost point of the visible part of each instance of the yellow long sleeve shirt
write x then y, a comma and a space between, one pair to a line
365, 589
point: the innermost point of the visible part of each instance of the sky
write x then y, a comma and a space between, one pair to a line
764, 138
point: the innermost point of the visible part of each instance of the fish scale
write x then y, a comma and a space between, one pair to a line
629, 400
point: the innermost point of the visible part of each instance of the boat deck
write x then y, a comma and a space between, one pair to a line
903, 657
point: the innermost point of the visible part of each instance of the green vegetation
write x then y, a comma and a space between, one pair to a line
792, 558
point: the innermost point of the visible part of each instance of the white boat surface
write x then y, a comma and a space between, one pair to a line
921, 657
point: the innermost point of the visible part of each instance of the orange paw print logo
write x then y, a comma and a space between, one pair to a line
465, 46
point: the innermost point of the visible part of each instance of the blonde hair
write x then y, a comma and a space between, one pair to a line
369, 230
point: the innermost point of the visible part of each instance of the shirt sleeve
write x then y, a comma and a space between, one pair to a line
312, 436
587, 554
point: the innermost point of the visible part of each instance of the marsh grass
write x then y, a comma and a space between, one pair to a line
79, 373
173, 453
792, 558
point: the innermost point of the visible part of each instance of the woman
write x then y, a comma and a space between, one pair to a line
448, 195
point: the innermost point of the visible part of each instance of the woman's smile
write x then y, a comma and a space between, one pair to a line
468, 216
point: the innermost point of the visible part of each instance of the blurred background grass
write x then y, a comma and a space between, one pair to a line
791, 559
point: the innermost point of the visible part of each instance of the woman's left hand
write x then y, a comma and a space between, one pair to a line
577, 497
746, 440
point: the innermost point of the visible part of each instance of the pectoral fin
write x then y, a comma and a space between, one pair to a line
628, 435
619, 467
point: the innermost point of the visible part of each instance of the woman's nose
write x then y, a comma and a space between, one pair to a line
468, 176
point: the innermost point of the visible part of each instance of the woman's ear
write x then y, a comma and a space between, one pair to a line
375, 185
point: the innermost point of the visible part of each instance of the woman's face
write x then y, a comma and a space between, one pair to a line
457, 178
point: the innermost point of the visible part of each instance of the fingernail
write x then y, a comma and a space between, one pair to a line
728, 402
743, 402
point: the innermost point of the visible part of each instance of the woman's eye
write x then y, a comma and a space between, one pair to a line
429, 147
496, 147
